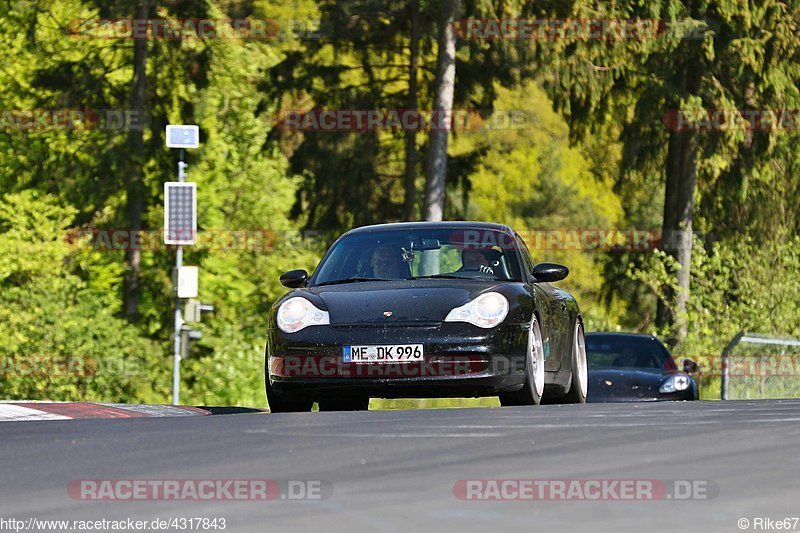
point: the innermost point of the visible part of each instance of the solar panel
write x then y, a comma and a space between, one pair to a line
180, 213
183, 136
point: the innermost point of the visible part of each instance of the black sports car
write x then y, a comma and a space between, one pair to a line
626, 367
425, 309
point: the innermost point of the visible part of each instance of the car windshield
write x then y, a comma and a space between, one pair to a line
450, 253
607, 351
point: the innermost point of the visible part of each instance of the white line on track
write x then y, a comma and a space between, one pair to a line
15, 413
155, 410
377, 435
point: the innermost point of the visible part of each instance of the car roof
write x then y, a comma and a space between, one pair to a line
621, 334
446, 224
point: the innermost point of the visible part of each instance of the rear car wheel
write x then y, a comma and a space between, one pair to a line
532, 390
281, 404
580, 375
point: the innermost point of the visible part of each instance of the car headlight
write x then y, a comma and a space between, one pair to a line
675, 383
485, 311
297, 313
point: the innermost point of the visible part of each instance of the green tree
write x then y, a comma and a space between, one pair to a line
60, 337
531, 178
740, 59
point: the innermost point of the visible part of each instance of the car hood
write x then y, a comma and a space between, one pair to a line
398, 302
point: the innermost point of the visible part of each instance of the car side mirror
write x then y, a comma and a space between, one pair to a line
689, 366
548, 272
294, 279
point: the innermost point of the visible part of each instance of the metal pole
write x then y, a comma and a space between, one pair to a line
724, 382
725, 369
176, 368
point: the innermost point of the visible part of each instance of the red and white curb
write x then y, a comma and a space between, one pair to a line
26, 411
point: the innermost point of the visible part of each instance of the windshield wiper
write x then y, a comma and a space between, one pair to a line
445, 276
349, 280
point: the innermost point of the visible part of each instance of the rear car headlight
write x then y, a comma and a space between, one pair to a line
675, 383
485, 311
297, 313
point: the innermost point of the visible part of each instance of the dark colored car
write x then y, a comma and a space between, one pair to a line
626, 367
425, 309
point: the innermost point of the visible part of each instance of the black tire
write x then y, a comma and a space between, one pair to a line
281, 404
578, 389
356, 403
533, 389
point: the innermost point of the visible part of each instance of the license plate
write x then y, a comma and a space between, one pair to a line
385, 353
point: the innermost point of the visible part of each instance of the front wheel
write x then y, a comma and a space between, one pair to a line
282, 404
580, 374
532, 390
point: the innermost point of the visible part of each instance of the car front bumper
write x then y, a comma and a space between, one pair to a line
640, 396
460, 360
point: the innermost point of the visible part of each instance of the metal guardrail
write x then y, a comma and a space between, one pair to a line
750, 338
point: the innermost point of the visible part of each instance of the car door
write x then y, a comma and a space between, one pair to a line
551, 307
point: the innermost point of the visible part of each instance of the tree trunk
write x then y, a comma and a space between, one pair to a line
436, 165
681, 167
410, 180
677, 228
134, 184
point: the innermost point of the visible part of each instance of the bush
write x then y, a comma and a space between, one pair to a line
59, 338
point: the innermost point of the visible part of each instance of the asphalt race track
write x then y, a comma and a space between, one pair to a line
396, 470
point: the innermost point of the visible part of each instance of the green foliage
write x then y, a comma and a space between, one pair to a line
736, 285
59, 340
523, 177
740, 285
592, 157
244, 185
243, 179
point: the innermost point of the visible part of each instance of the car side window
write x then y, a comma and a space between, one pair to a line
526, 254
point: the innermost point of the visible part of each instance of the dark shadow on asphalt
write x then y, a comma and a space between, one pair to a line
230, 410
